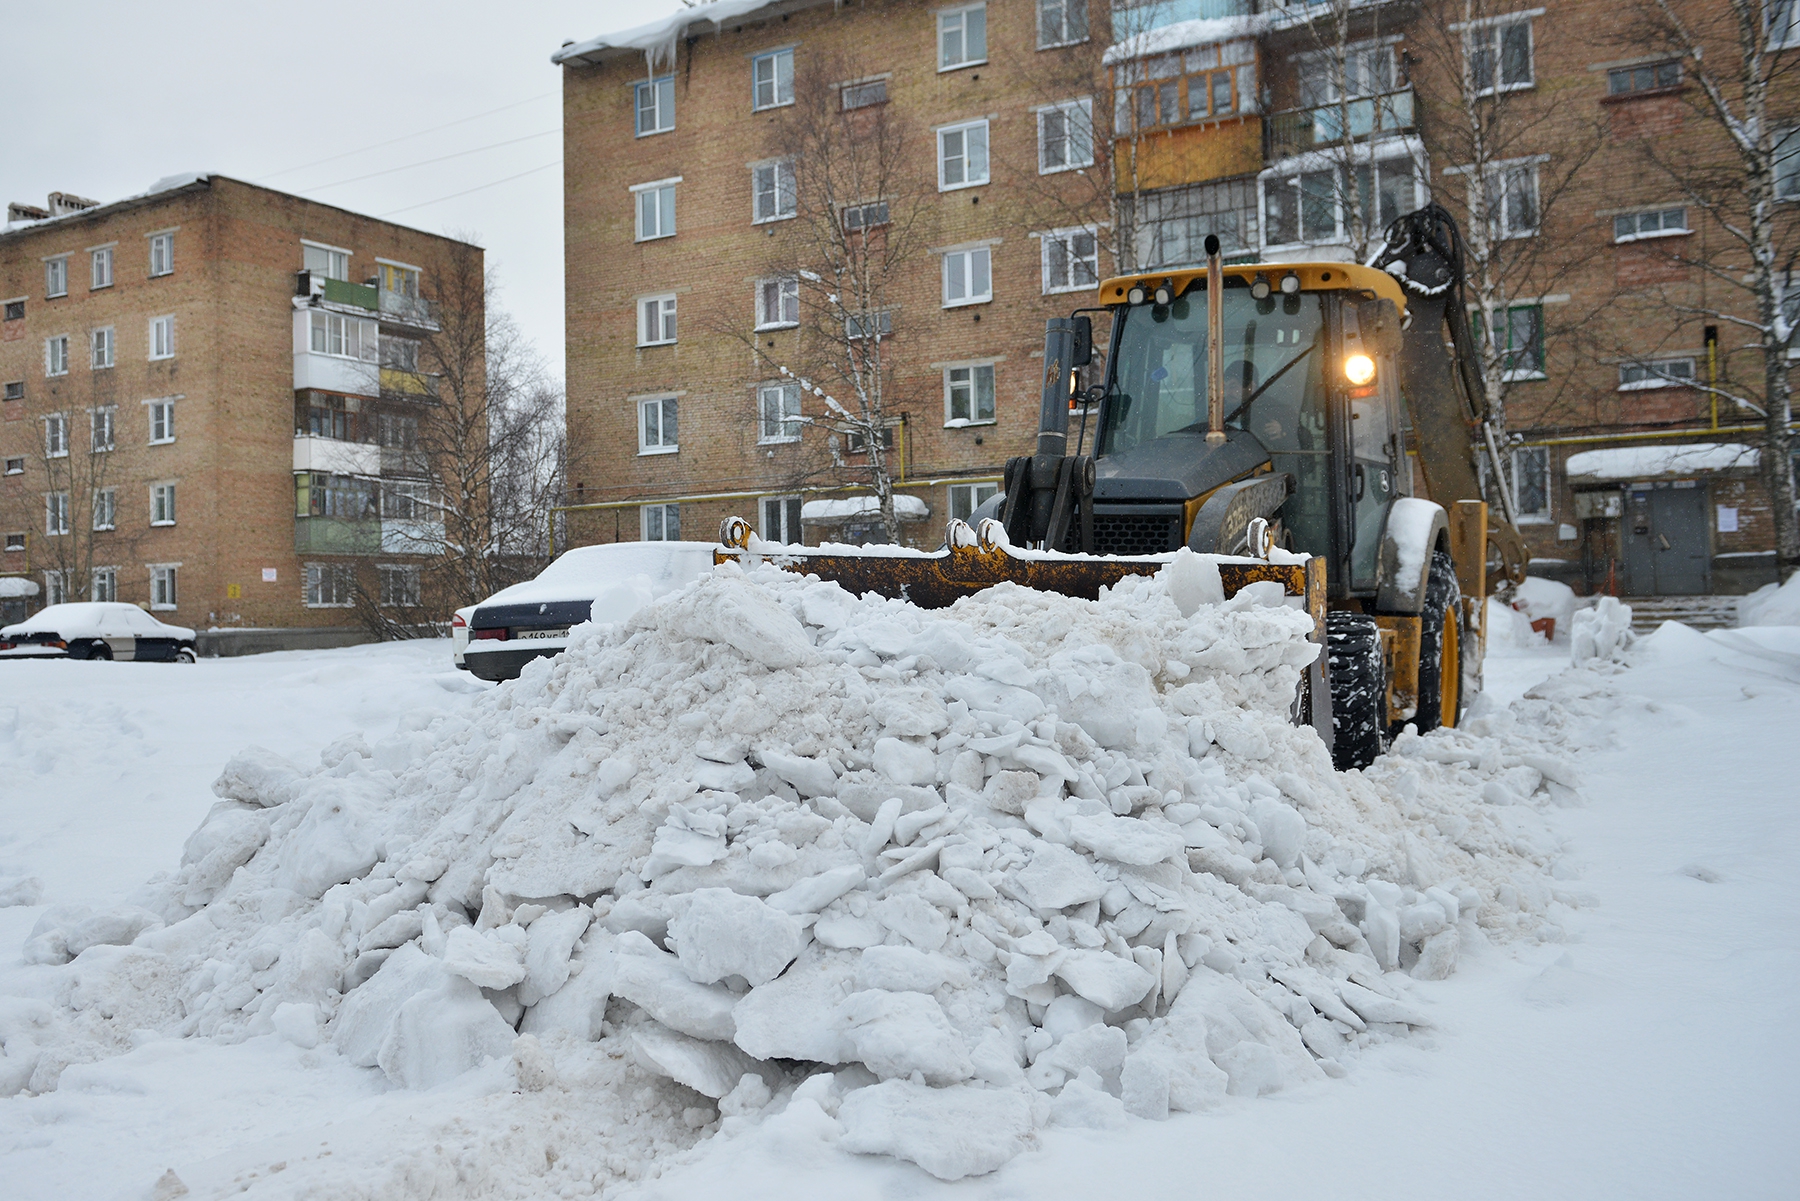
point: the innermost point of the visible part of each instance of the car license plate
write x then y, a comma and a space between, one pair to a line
558, 632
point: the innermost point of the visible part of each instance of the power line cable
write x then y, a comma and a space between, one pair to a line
406, 137
466, 191
427, 162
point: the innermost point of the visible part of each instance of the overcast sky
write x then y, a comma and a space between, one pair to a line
105, 98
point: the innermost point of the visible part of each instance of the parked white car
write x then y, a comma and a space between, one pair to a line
609, 583
459, 635
96, 630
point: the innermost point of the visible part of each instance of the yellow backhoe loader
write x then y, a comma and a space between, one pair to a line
1317, 424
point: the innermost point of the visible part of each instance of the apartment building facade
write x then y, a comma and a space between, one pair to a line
1293, 130
208, 414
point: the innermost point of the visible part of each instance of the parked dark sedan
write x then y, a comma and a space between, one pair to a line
96, 630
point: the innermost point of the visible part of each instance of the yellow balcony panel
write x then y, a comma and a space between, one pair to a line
1192, 153
408, 383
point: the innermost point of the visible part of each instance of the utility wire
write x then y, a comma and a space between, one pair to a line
405, 137
466, 191
427, 162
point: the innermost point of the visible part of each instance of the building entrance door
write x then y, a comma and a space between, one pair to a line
1664, 540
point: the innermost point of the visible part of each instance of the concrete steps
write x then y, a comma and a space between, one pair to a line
1700, 612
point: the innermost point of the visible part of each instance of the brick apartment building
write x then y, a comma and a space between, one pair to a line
208, 412
1245, 118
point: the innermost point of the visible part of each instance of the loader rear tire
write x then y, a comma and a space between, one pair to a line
1358, 689
1440, 647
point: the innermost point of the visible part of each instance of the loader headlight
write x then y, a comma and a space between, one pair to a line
1359, 369
1259, 287
1137, 295
1290, 284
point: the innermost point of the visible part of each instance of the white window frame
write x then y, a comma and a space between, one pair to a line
15, 465
56, 514
410, 592
1491, 30
1545, 515
162, 503
1057, 244
863, 225
964, 268
322, 325
653, 192
1783, 24
654, 324
964, 128
1498, 199
165, 586
1373, 156
1065, 7
1076, 114
956, 20
644, 422
976, 495
162, 253
103, 584
786, 294
100, 267
56, 276
1516, 375
662, 517
884, 325
656, 89
861, 87
773, 59
777, 530
101, 346
336, 259
106, 508
1657, 374
1661, 232
312, 575
783, 418
56, 591
56, 356
973, 366
162, 337
161, 412
779, 188
56, 446
103, 423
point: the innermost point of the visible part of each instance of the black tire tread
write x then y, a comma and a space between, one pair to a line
1358, 689
1442, 594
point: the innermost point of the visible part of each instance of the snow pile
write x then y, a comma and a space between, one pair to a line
1600, 631
950, 876
1646, 462
1772, 605
1538, 598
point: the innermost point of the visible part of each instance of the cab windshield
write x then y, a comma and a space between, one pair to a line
1274, 371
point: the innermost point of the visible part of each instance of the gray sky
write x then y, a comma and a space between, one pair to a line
103, 98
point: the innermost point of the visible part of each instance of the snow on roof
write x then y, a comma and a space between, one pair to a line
907, 508
657, 39
168, 183
1647, 462
17, 586
1183, 34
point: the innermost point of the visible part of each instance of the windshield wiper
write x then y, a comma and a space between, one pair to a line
1268, 383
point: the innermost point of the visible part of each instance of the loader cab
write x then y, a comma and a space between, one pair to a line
1311, 392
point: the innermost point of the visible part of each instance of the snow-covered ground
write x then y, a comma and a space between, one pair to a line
1651, 1050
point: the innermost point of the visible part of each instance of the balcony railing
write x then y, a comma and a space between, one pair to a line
334, 456
366, 536
1299, 130
342, 291
397, 381
398, 306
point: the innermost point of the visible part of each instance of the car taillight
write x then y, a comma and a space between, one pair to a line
5, 646
499, 633
457, 622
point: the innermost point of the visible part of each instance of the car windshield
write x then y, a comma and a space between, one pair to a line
1274, 375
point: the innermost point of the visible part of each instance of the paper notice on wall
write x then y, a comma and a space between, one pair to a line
269, 575
1727, 519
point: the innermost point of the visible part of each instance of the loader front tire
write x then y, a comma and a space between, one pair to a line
1358, 689
1440, 647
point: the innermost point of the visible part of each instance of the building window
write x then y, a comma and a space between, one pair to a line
397, 431
330, 585
162, 254
1512, 200
56, 355
1649, 77
340, 337
1066, 136
857, 443
657, 426
1784, 23
968, 278
15, 541
778, 302
660, 523
323, 262
162, 504
1655, 373
55, 591
1521, 342
104, 585
100, 263
969, 394
1531, 482
320, 495
102, 346
860, 217
781, 520
962, 156
399, 586
400, 354
56, 276
102, 421
772, 77
162, 337
966, 498
655, 210
1499, 54
1071, 260
656, 320
399, 280
407, 501
858, 326
778, 407
1309, 207
16, 466
14, 390
15, 310
1061, 23
772, 188
1787, 164
656, 106
56, 436
864, 93
56, 513
162, 421
1630, 227
962, 37
106, 508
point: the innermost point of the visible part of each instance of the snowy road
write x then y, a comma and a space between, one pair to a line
1653, 1052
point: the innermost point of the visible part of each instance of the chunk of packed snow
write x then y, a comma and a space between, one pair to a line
950, 1132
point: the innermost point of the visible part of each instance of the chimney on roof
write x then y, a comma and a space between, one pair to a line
25, 212
64, 203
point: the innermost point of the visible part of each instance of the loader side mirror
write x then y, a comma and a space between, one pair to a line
1083, 352
1379, 320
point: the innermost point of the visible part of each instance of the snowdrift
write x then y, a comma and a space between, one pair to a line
957, 875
